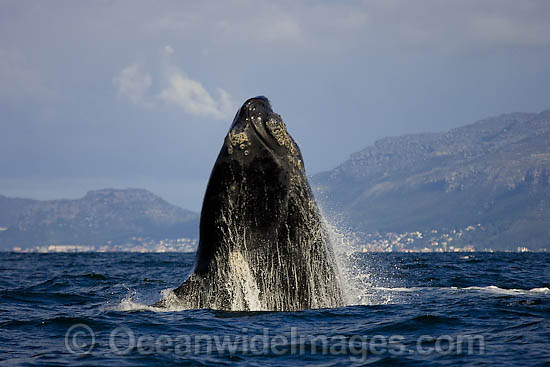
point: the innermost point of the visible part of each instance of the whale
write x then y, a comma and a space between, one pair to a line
263, 243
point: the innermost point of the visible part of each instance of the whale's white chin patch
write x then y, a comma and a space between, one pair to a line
246, 295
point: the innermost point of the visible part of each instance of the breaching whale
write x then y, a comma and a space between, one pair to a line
263, 242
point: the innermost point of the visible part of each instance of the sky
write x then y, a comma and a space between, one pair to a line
118, 94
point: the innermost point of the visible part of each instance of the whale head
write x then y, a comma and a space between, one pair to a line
258, 172
258, 131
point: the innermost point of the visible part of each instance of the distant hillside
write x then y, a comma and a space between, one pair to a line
495, 172
11, 209
101, 217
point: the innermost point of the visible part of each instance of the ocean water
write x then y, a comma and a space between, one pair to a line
91, 309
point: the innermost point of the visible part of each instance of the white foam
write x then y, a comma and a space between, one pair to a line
401, 289
544, 290
490, 289
170, 301
381, 296
513, 291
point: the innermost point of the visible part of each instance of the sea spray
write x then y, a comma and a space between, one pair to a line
356, 277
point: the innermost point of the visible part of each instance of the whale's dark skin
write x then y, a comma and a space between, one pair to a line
263, 243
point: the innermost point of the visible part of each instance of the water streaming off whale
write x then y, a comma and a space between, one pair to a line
263, 242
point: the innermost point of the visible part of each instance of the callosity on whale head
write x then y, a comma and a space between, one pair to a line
263, 243
258, 130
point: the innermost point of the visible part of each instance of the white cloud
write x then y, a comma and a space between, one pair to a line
177, 88
190, 95
193, 98
133, 83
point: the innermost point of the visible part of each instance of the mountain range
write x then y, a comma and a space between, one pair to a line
493, 175
484, 185
107, 216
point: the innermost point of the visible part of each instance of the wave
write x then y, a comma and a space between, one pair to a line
490, 289
170, 303
511, 291
402, 289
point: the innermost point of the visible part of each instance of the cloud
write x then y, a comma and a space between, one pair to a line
177, 88
194, 99
133, 83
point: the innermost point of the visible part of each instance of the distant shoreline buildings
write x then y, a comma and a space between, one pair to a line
138, 244
431, 241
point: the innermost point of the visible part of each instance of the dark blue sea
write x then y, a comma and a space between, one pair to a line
91, 309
